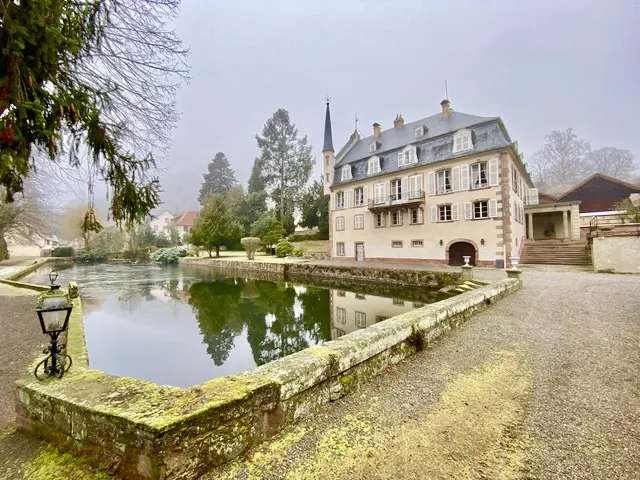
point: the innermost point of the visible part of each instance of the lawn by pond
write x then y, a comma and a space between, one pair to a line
181, 326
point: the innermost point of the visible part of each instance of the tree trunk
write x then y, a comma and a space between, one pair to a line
209, 253
4, 249
217, 251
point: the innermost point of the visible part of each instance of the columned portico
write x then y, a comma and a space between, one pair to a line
560, 221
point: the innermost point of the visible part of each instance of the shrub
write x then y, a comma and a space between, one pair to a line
62, 252
284, 248
298, 252
250, 244
88, 256
168, 255
309, 236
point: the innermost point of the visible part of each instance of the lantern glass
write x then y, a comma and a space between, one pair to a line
53, 276
53, 312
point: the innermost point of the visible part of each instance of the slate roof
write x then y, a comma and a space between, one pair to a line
435, 145
328, 139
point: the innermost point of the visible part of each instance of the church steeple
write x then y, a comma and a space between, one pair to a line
328, 138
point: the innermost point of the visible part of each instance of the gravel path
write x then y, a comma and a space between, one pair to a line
543, 385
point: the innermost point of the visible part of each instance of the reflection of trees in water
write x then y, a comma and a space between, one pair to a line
279, 320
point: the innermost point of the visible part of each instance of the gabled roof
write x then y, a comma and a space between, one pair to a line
602, 176
397, 137
185, 219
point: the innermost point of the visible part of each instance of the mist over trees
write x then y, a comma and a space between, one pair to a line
219, 179
565, 159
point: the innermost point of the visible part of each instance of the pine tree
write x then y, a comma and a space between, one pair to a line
215, 225
285, 162
219, 179
256, 180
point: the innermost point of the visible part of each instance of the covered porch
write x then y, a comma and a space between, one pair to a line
553, 221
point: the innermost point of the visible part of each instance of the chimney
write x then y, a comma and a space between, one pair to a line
446, 107
376, 130
399, 121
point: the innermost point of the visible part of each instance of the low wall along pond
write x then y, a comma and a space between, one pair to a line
142, 430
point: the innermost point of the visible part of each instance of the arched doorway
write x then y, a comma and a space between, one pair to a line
458, 250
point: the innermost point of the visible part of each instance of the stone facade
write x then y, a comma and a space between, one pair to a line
141, 430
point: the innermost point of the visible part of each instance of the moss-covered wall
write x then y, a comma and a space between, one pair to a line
146, 431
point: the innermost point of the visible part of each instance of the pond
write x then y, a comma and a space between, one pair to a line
183, 325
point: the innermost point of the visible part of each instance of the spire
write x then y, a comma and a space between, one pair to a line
328, 138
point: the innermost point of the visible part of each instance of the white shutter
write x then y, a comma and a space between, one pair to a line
333, 200
455, 179
464, 177
365, 194
405, 188
493, 208
420, 216
468, 213
454, 211
400, 159
533, 196
420, 187
493, 172
431, 183
434, 214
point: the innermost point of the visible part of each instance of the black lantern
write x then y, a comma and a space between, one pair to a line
53, 276
54, 310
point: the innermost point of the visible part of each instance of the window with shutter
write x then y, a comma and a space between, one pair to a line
455, 179
493, 208
339, 200
464, 177
346, 173
379, 193
443, 181
431, 183
493, 172
454, 211
480, 209
462, 141
468, 212
373, 165
479, 175
434, 214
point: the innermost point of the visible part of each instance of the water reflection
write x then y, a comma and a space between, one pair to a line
181, 326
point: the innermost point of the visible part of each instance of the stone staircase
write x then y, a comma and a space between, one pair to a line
555, 252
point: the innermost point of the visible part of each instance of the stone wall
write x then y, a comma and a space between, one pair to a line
616, 253
141, 430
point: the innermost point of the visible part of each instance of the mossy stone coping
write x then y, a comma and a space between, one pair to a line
142, 430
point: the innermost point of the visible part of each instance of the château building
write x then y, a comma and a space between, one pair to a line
436, 189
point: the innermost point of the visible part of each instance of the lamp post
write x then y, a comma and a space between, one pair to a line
53, 309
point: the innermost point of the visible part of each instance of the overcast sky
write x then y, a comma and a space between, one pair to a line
540, 66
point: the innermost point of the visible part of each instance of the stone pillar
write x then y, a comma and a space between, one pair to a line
530, 226
565, 224
467, 272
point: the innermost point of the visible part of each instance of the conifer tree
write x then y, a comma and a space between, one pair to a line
219, 179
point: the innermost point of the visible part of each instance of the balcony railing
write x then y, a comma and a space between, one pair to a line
397, 200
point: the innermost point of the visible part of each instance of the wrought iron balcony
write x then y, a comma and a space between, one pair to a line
407, 199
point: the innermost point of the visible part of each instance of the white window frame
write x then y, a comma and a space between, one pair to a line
408, 156
420, 219
345, 173
340, 224
373, 165
417, 243
358, 221
340, 196
443, 181
341, 315
462, 141
486, 210
395, 189
418, 131
340, 249
447, 208
396, 243
477, 173
380, 216
415, 186
373, 146
358, 200
360, 319
399, 216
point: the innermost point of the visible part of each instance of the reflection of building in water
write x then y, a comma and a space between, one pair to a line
351, 311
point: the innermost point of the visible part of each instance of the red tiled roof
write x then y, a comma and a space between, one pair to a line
185, 219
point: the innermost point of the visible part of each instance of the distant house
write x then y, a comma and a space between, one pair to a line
184, 222
599, 193
33, 246
161, 224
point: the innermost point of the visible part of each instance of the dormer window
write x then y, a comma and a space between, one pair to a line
373, 165
345, 173
418, 131
462, 141
407, 156
373, 146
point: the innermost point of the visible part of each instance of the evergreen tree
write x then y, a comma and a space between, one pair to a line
268, 229
256, 180
315, 208
215, 225
285, 162
219, 179
246, 208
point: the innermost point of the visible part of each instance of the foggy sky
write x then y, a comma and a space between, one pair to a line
540, 66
